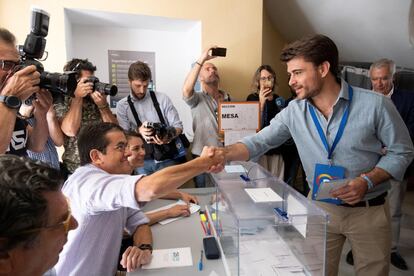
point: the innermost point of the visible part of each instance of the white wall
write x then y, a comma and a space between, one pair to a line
174, 53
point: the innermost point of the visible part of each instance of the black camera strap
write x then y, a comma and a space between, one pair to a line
134, 111
157, 107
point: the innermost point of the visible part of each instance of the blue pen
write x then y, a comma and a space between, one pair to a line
200, 263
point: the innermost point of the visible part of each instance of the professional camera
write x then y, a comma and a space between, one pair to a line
103, 88
34, 48
158, 129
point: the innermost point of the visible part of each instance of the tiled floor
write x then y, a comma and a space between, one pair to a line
406, 242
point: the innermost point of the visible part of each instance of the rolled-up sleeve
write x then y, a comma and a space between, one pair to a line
394, 135
269, 137
135, 219
193, 100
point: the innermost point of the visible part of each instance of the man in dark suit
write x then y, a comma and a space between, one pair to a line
382, 76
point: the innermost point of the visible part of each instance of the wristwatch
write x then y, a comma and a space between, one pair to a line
145, 246
11, 101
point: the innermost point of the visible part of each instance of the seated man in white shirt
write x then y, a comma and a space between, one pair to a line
106, 200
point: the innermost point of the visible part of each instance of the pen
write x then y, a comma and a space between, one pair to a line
200, 263
204, 228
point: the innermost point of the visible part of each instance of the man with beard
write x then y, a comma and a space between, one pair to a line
204, 105
339, 134
141, 107
86, 107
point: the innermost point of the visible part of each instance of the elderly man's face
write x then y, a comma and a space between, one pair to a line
381, 80
43, 253
9, 55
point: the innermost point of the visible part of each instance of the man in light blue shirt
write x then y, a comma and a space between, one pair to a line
340, 130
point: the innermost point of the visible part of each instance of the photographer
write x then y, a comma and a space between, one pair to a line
138, 111
87, 106
16, 86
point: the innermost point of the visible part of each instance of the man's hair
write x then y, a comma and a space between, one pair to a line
256, 77
91, 137
139, 71
23, 206
384, 62
78, 64
7, 37
133, 133
314, 48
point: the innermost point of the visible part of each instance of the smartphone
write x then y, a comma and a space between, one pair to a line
218, 52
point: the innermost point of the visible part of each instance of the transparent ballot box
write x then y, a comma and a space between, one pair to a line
265, 227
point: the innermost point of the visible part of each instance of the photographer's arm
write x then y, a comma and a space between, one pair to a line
55, 131
188, 88
167, 180
39, 133
22, 85
103, 106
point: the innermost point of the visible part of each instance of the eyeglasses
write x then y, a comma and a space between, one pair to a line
7, 65
65, 224
269, 78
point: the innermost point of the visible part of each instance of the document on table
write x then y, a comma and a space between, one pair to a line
263, 195
173, 257
193, 209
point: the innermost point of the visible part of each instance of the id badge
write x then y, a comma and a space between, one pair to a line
326, 173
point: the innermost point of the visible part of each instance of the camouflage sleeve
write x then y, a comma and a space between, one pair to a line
62, 108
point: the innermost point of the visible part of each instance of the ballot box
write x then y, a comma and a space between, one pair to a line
263, 226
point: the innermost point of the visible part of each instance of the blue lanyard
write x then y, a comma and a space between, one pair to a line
340, 130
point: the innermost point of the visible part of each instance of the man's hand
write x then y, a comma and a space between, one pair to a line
178, 211
134, 257
84, 88
42, 103
23, 83
187, 198
352, 193
206, 54
99, 99
216, 157
146, 132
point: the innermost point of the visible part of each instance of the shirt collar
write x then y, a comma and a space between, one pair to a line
390, 93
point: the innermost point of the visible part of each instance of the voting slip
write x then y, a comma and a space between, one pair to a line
173, 257
326, 173
263, 195
326, 187
193, 209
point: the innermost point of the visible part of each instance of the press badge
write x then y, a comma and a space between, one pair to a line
326, 173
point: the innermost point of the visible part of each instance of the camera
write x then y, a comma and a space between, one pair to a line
158, 129
103, 88
34, 48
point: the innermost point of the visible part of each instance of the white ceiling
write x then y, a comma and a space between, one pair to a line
124, 20
363, 30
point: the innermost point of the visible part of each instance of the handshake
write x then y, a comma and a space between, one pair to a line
215, 158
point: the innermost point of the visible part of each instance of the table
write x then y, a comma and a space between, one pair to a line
185, 232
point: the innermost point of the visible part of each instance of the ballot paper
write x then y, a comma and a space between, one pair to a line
193, 209
234, 169
173, 257
263, 195
326, 187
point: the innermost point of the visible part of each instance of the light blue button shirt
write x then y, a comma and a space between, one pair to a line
373, 123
